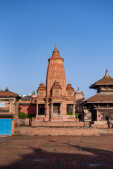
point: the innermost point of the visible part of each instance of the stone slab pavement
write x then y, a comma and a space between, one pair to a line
56, 152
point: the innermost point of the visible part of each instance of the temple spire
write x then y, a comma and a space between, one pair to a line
56, 53
55, 72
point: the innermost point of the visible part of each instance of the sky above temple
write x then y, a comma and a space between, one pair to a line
29, 30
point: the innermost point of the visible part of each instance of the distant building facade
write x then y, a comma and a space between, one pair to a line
99, 108
8, 111
27, 105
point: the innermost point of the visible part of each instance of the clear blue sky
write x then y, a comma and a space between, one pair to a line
29, 29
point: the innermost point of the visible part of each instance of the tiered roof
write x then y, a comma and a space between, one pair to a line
100, 98
7, 93
106, 80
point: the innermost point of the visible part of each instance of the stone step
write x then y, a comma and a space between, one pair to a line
36, 123
58, 118
100, 124
47, 131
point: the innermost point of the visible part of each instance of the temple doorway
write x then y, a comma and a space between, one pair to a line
94, 115
41, 109
69, 109
56, 108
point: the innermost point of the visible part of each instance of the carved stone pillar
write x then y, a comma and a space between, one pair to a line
98, 115
51, 112
73, 109
37, 110
47, 110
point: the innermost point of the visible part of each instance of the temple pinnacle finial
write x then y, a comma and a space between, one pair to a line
55, 53
106, 70
55, 45
55, 48
106, 74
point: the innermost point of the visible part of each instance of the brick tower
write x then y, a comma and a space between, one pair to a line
55, 73
56, 101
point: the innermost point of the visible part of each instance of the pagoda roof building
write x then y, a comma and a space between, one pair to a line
100, 106
104, 89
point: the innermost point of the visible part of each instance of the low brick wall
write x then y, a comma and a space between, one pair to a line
61, 131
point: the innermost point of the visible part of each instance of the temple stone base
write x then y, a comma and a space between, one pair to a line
57, 118
57, 124
100, 124
53, 131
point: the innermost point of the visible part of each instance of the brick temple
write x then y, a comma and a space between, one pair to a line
56, 100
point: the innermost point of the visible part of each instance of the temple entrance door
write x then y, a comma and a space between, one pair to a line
94, 115
70, 109
56, 108
41, 109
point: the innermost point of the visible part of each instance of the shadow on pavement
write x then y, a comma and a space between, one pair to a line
41, 159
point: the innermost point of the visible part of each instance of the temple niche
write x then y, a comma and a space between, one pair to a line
41, 94
56, 90
99, 108
55, 100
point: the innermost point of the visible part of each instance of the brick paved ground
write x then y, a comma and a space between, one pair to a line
56, 152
